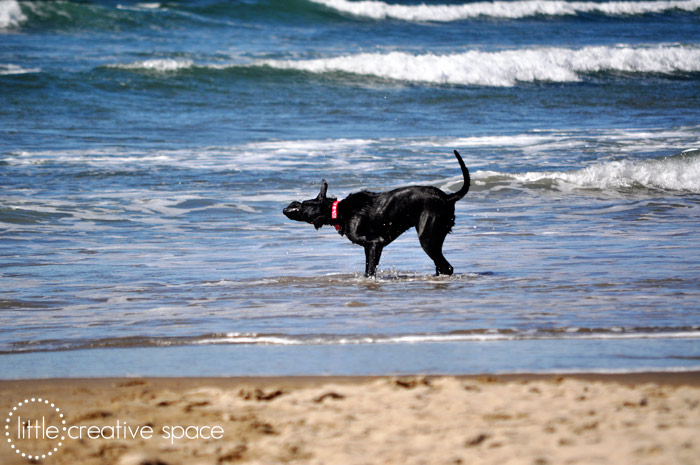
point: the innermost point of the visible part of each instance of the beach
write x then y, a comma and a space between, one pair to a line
642, 418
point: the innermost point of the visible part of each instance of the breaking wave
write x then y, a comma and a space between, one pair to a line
118, 16
679, 173
501, 9
162, 65
11, 14
506, 68
632, 169
279, 339
8, 69
509, 67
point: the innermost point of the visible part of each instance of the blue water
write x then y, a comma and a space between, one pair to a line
148, 148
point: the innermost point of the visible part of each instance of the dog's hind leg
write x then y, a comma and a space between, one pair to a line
431, 233
373, 253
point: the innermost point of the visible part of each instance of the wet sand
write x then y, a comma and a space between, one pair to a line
645, 418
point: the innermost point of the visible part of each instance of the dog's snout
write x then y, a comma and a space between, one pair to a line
291, 209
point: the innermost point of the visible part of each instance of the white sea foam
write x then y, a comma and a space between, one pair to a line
516, 140
309, 145
636, 170
162, 65
502, 9
490, 336
679, 173
611, 142
11, 14
251, 338
508, 67
145, 6
149, 6
493, 68
6, 69
260, 156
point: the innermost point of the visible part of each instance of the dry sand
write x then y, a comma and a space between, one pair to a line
651, 418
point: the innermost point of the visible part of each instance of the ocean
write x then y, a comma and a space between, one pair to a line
147, 150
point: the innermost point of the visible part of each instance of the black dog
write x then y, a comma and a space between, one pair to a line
374, 220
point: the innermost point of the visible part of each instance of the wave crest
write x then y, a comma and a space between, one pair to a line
500, 9
281, 339
679, 173
160, 65
9, 69
506, 68
11, 14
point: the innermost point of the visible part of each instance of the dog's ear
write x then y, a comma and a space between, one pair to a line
318, 222
324, 189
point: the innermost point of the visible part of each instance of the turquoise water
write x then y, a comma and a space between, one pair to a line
147, 150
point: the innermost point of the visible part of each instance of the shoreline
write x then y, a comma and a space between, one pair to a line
675, 378
616, 418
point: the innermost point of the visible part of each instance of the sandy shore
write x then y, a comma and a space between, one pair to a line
651, 418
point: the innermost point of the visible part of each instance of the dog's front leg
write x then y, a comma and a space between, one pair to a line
373, 251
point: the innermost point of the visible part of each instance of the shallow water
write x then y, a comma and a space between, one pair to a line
147, 150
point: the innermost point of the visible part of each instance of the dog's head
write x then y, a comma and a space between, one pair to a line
313, 211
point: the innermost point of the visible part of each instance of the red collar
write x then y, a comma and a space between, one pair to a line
334, 214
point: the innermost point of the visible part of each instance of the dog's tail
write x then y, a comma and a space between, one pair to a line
465, 187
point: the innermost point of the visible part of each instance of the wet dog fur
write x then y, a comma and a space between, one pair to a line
373, 220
